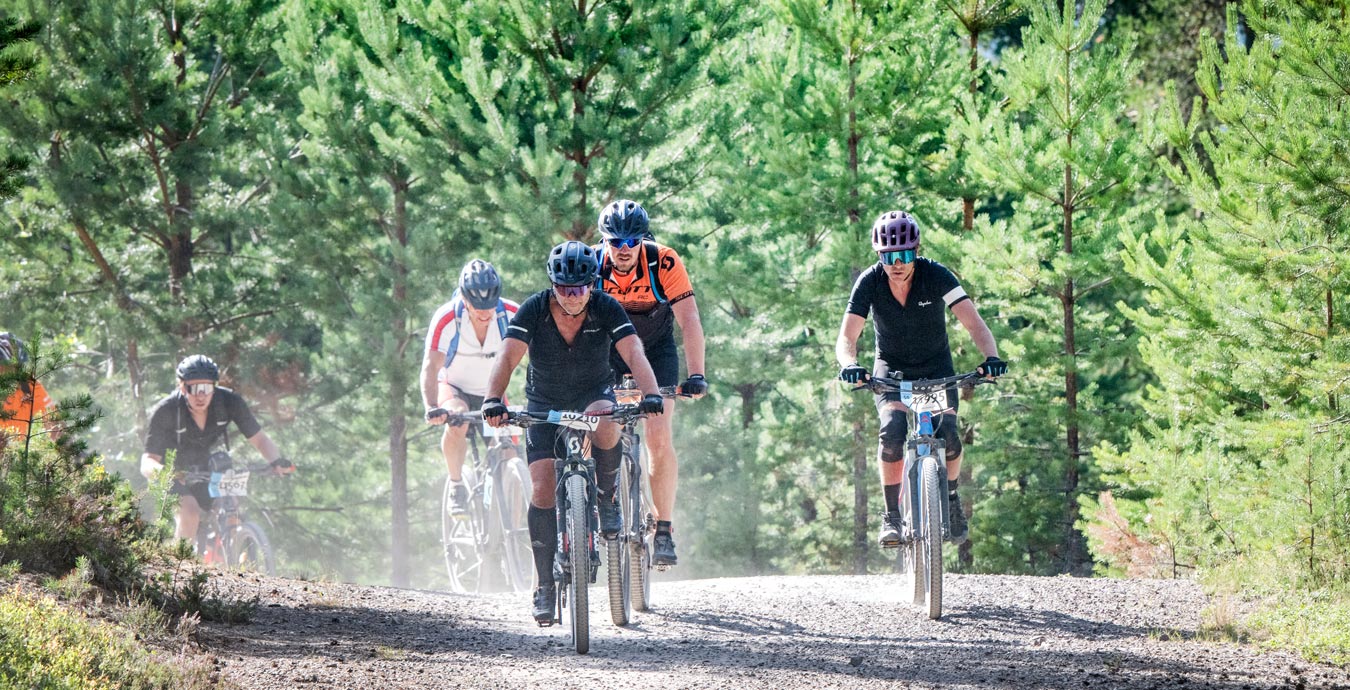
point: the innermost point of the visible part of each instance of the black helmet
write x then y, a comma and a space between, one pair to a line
12, 350
480, 285
194, 367
573, 263
623, 220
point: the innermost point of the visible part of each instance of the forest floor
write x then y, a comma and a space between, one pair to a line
754, 632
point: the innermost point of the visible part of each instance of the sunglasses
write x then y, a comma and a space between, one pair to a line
904, 256
620, 243
200, 388
571, 290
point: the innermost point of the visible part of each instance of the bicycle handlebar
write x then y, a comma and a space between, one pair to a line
619, 414
883, 384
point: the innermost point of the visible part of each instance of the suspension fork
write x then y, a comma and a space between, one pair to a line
573, 465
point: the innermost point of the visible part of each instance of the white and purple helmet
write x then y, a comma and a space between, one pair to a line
895, 231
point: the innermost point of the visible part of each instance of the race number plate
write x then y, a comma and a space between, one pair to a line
934, 402
574, 420
229, 483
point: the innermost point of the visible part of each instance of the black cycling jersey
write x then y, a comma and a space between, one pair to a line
912, 338
171, 426
560, 372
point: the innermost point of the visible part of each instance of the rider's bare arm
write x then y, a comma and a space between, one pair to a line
512, 352
969, 317
151, 465
630, 348
846, 347
691, 330
431, 366
265, 446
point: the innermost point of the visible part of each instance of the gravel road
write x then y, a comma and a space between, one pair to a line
755, 632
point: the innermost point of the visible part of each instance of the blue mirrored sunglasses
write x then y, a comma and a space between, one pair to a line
571, 290
619, 243
904, 256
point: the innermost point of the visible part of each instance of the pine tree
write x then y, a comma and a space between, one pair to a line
1065, 145
15, 66
1245, 311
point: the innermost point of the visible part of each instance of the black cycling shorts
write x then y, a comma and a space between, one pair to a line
199, 490
543, 440
663, 356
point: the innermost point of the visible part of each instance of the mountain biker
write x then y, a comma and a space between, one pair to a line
568, 331
29, 402
651, 283
194, 421
464, 337
908, 294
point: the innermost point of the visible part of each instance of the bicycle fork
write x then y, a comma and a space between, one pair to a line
562, 569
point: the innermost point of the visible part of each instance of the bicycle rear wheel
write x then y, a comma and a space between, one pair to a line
250, 550
579, 556
461, 536
930, 535
513, 496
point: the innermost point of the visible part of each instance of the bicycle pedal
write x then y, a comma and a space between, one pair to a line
546, 624
892, 546
661, 568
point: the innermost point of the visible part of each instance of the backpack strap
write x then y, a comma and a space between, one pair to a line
503, 319
459, 325
653, 270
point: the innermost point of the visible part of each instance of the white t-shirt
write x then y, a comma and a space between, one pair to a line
473, 358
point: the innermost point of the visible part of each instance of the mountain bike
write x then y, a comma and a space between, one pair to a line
630, 552
488, 546
923, 491
225, 535
577, 561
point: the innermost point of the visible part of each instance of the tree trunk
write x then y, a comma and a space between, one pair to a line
1074, 554
861, 460
968, 203
398, 392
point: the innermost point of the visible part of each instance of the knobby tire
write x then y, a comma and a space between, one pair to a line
579, 531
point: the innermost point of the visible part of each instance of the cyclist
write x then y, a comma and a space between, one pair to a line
29, 402
568, 331
194, 421
465, 334
651, 283
908, 294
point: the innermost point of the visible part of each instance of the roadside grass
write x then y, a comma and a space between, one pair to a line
1315, 624
44, 644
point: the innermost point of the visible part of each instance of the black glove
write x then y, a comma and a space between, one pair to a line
493, 407
694, 386
993, 366
435, 412
854, 374
282, 466
652, 404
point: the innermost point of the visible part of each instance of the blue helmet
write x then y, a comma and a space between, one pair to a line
624, 220
480, 285
573, 263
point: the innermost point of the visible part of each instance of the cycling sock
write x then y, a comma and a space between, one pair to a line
951, 487
607, 470
544, 541
892, 494
663, 526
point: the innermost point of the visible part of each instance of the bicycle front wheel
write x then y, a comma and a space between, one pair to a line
514, 500
617, 560
930, 535
250, 550
579, 556
460, 538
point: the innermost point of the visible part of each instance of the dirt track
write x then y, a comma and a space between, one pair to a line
772, 632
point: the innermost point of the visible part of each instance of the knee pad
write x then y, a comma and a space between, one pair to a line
891, 437
951, 436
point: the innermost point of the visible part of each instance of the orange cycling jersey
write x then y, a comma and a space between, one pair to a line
633, 289
649, 311
21, 409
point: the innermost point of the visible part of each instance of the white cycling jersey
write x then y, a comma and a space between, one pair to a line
472, 363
